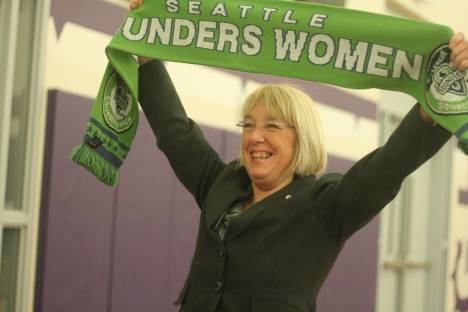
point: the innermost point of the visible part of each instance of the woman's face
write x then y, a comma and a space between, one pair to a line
268, 148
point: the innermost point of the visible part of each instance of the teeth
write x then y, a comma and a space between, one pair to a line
261, 155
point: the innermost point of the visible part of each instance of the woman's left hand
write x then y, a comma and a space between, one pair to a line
459, 46
459, 58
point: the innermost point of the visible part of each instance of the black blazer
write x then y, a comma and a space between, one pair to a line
277, 254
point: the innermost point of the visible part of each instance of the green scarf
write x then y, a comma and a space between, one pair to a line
347, 48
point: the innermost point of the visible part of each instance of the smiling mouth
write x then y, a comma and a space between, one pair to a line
260, 155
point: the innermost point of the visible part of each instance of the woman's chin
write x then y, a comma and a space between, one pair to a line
258, 176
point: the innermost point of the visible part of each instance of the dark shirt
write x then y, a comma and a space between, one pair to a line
222, 225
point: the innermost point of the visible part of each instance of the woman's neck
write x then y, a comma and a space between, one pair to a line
260, 192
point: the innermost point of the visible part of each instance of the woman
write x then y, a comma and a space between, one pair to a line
270, 231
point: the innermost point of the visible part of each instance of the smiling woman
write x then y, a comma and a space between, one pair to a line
267, 155
289, 118
270, 227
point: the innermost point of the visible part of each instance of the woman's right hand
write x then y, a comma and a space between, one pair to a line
133, 5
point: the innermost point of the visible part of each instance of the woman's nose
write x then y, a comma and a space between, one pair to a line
257, 135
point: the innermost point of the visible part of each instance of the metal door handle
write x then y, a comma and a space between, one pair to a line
399, 266
395, 265
416, 265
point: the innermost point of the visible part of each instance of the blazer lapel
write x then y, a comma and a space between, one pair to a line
241, 222
237, 186
224, 195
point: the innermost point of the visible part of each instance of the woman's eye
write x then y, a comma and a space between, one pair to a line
273, 126
247, 126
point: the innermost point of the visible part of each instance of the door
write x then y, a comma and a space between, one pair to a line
413, 232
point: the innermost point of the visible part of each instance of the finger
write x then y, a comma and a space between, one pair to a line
462, 57
455, 39
463, 65
134, 4
458, 49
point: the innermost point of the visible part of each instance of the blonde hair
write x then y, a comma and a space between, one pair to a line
295, 107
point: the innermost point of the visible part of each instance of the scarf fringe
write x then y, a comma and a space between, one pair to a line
86, 157
463, 146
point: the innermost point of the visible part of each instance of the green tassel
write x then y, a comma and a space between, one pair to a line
85, 156
463, 146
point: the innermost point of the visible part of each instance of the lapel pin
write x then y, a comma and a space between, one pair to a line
288, 196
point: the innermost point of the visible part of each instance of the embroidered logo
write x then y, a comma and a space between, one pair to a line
117, 104
446, 87
94, 143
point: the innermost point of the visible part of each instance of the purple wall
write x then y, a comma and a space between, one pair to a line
351, 285
129, 248
76, 220
142, 228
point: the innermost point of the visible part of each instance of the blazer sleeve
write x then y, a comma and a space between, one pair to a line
194, 161
351, 200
